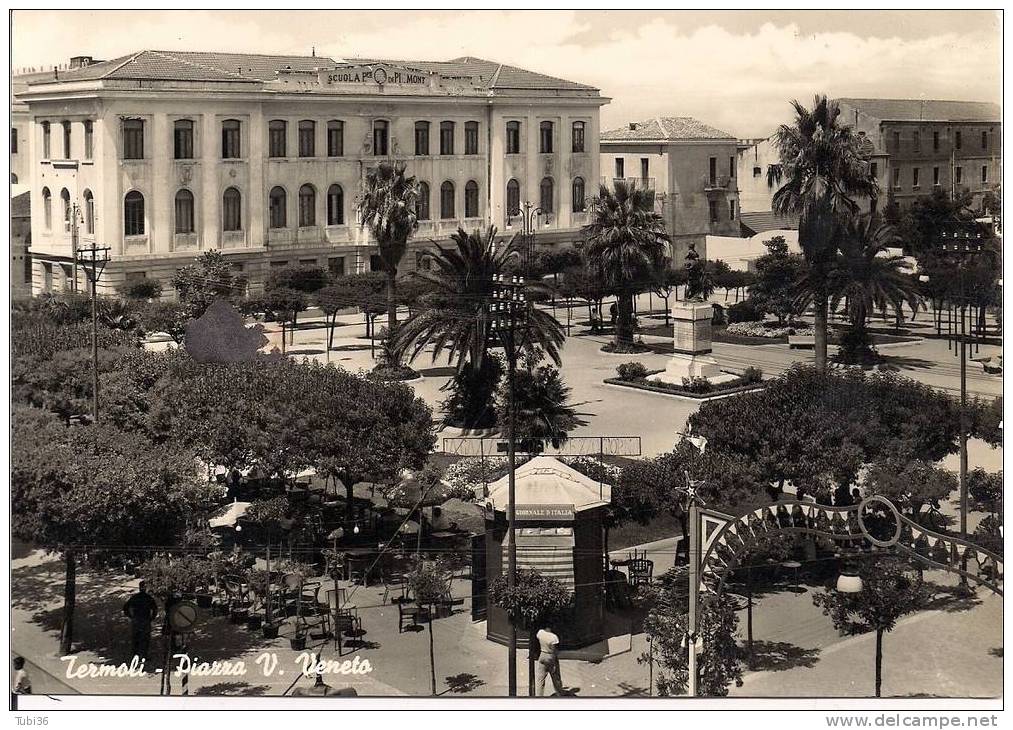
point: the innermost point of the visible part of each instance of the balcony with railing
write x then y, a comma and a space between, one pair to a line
641, 183
719, 184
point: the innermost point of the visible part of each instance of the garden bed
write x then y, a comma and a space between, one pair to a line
638, 348
717, 390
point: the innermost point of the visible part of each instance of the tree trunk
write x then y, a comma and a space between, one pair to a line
879, 661
432, 650
531, 662
624, 321
820, 327
391, 302
69, 598
349, 507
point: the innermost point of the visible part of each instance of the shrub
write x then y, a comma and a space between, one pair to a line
746, 311
631, 371
697, 384
856, 347
719, 315
752, 375
144, 289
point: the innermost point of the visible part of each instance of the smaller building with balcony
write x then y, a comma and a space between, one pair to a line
690, 166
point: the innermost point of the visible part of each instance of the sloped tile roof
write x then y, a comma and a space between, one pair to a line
927, 109
667, 128
753, 223
21, 205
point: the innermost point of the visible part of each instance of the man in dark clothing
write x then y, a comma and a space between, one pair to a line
141, 609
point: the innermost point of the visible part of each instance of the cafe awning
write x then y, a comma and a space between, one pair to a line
547, 550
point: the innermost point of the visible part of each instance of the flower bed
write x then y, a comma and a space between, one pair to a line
634, 375
769, 329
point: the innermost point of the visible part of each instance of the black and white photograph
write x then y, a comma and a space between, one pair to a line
444, 359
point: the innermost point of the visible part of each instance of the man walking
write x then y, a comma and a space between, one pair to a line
548, 661
141, 609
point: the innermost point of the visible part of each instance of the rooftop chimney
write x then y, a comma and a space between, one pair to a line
80, 61
633, 125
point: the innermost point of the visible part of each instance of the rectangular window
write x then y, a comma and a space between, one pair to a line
513, 138
89, 139
935, 175
731, 167
14, 141
896, 177
276, 132
914, 176
184, 214
182, 140
421, 138
713, 206
731, 210
578, 137
279, 264
984, 140
896, 141
66, 140
46, 141
645, 168
336, 265
620, 167
133, 139
713, 171
984, 173
545, 138
446, 138
230, 140
959, 175
935, 141
958, 140
335, 139
307, 139
917, 141
380, 138
471, 138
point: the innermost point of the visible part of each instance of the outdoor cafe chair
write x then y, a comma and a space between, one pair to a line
641, 572
343, 620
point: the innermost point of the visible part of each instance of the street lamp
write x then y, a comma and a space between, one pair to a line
507, 315
94, 260
849, 581
528, 214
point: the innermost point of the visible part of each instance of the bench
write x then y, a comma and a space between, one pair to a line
801, 341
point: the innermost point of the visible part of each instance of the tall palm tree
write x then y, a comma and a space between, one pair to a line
824, 171
455, 316
627, 243
866, 276
389, 210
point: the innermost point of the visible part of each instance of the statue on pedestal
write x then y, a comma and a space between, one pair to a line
699, 284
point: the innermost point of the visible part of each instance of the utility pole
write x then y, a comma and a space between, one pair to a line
692, 634
94, 260
74, 211
509, 301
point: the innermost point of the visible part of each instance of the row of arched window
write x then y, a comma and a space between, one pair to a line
278, 206
546, 196
87, 215
448, 201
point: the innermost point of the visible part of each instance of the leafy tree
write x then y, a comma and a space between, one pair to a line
666, 282
985, 489
97, 489
306, 278
142, 290
455, 317
921, 223
824, 171
985, 421
388, 209
890, 590
667, 629
911, 485
626, 244
533, 600
471, 403
777, 276
429, 581
209, 278
162, 316
583, 282
284, 305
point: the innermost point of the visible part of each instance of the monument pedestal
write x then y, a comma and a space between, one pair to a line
691, 339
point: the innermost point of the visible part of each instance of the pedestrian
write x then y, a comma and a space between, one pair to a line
613, 312
21, 683
141, 609
548, 661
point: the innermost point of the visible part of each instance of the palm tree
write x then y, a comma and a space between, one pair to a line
388, 209
542, 400
455, 316
627, 243
866, 276
823, 171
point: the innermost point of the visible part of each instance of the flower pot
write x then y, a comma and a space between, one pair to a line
254, 622
219, 608
204, 601
270, 631
298, 643
238, 615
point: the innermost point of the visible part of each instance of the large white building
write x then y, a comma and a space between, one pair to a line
164, 155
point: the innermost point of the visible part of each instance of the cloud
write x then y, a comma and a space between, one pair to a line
737, 80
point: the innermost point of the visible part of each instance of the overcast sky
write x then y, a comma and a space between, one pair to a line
735, 70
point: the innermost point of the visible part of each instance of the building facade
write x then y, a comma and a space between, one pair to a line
691, 167
162, 155
21, 236
913, 147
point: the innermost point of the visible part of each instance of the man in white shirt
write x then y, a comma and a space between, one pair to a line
548, 661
